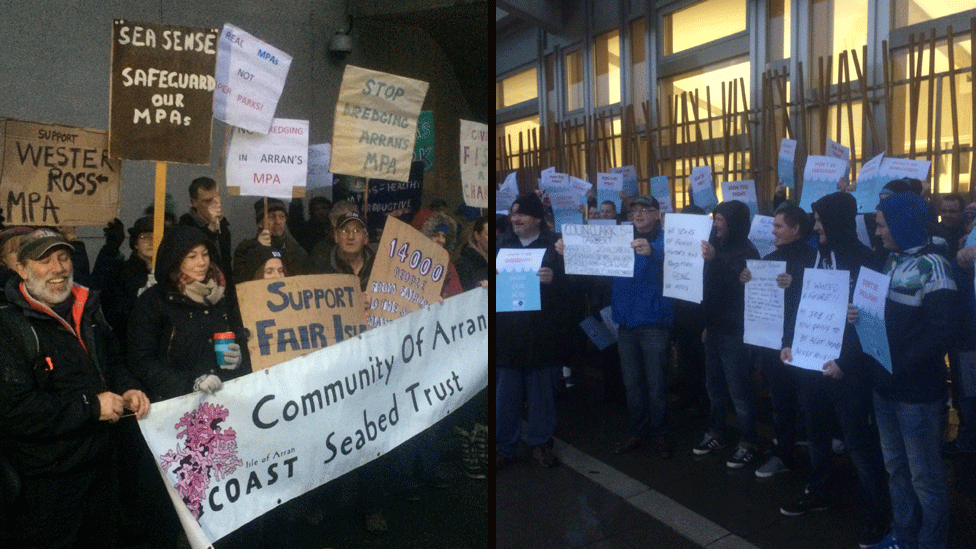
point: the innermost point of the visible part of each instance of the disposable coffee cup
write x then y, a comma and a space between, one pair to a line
221, 341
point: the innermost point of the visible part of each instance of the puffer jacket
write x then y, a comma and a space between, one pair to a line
52, 374
170, 336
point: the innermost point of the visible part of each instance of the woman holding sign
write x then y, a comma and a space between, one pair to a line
173, 326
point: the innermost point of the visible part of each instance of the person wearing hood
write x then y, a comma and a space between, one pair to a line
843, 388
728, 361
171, 329
527, 342
791, 226
909, 401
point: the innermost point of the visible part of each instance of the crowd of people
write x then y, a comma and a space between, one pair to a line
890, 424
85, 347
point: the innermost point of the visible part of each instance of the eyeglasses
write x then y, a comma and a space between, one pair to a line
347, 232
643, 210
145, 237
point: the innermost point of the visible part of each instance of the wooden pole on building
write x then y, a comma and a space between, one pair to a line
862, 81
930, 114
746, 129
955, 114
889, 130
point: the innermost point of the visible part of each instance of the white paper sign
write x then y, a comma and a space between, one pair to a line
272, 164
761, 234
819, 330
601, 250
684, 266
608, 187
764, 305
517, 284
630, 183
869, 182
250, 76
820, 178
319, 175
273, 435
785, 162
837, 150
506, 194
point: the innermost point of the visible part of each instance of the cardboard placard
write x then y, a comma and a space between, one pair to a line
408, 273
474, 163
375, 124
250, 77
57, 175
293, 316
161, 92
384, 196
272, 164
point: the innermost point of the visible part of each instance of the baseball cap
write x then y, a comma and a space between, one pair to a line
347, 217
39, 243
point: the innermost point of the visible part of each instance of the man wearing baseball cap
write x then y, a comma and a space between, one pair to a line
350, 255
64, 386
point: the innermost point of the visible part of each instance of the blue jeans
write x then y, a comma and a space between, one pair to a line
728, 373
643, 357
911, 441
537, 386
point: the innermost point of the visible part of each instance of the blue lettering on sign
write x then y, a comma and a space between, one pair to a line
267, 55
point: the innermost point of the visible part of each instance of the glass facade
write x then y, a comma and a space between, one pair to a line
701, 23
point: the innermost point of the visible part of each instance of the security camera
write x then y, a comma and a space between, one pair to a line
341, 44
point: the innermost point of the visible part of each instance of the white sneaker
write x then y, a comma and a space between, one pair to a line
773, 466
838, 446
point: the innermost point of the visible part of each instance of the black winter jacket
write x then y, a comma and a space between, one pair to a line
49, 395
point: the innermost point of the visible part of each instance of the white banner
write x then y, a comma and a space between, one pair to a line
764, 305
819, 329
250, 76
273, 435
601, 250
683, 262
272, 164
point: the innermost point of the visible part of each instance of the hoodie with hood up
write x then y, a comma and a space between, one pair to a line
724, 296
920, 312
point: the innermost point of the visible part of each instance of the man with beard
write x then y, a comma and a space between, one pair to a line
843, 388
64, 384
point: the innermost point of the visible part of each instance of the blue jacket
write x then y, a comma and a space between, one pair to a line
638, 301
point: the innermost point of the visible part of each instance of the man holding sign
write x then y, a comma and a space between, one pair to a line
909, 402
842, 386
645, 317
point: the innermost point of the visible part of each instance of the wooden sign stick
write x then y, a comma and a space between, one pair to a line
159, 212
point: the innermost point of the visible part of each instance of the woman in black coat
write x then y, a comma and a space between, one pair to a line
171, 329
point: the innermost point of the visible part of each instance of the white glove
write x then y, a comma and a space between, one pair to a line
232, 357
208, 383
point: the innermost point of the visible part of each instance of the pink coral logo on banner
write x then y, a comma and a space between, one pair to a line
209, 450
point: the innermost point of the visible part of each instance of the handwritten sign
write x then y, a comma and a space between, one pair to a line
161, 92
820, 178
319, 176
661, 191
743, 191
423, 149
409, 269
764, 305
870, 294
375, 124
517, 284
293, 316
630, 185
384, 196
702, 188
57, 175
608, 187
602, 250
474, 163
761, 235
819, 330
785, 163
250, 77
684, 266
271, 164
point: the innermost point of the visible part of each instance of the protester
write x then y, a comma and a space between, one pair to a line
608, 210
472, 263
790, 230
207, 214
264, 263
728, 361
9, 246
441, 228
526, 344
172, 327
57, 427
350, 255
689, 323
843, 387
272, 232
908, 402
315, 229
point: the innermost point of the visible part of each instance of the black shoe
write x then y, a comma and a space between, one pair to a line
873, 535
804, 505
544, 455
